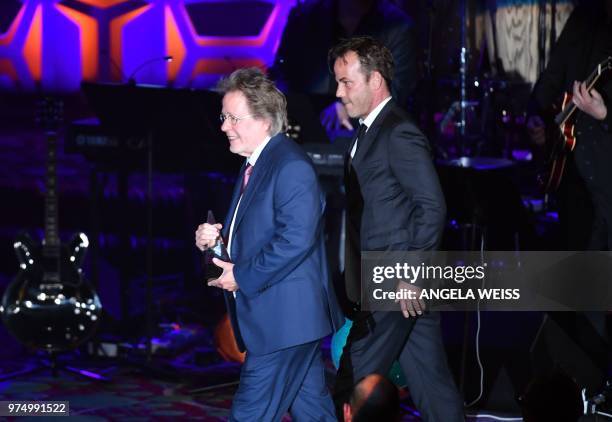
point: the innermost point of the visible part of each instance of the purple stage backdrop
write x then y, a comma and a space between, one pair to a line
56, 44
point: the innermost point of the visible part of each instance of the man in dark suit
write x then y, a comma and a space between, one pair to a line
394, 203
585, 42
277, 290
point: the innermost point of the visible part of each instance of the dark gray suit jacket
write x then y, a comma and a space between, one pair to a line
394, 198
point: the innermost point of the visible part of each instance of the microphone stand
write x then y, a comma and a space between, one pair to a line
463, 74
149, 258
132, 80
149, 221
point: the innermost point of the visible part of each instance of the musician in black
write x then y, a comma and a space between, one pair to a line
585, 42
585, 194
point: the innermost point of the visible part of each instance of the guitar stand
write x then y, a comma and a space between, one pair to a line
52, 364
600, 404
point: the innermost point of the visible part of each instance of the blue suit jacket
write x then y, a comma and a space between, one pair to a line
285, 297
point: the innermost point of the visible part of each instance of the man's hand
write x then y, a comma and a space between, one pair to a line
410, 307
226, 281
335, 116
536, 130
206, 235
589, 102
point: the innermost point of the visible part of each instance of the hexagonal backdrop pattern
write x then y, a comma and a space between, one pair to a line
56, 44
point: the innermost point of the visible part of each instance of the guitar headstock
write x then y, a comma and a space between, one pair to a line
49, 113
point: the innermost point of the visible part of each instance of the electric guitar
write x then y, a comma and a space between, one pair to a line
562, 140
49, 305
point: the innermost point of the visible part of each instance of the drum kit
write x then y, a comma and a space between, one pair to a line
489, 125
475, 116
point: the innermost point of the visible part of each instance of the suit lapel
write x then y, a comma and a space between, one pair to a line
363, 145
260, 169
233, 203
347, 156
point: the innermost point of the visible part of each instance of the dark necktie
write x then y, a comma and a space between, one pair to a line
360, 134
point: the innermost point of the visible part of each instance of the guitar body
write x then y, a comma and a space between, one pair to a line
561, 137
49, 305
567, 128
225, 341
561, 142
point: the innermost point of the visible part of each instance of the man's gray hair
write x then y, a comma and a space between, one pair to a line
264, 99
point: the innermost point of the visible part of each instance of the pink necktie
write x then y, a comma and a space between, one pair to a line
247, 174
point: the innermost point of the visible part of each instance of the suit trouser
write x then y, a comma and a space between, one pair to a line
291, 380
377, 339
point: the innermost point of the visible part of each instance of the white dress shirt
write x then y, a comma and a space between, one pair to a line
369, 120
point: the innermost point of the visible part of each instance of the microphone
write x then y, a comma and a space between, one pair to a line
131, 79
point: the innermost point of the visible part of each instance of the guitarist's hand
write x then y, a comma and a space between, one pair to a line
589, 102
536, 130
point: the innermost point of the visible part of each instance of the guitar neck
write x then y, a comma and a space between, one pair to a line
52, 240
570, 108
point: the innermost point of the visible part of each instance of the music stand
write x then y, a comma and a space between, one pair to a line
184, 123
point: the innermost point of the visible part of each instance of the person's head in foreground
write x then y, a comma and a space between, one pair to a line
374, 398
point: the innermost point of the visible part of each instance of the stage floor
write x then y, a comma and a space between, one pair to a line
135, 393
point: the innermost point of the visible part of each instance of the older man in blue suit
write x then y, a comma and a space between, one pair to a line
278, 294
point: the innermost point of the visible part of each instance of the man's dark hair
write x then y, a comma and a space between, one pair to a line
377, 402
373, 56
